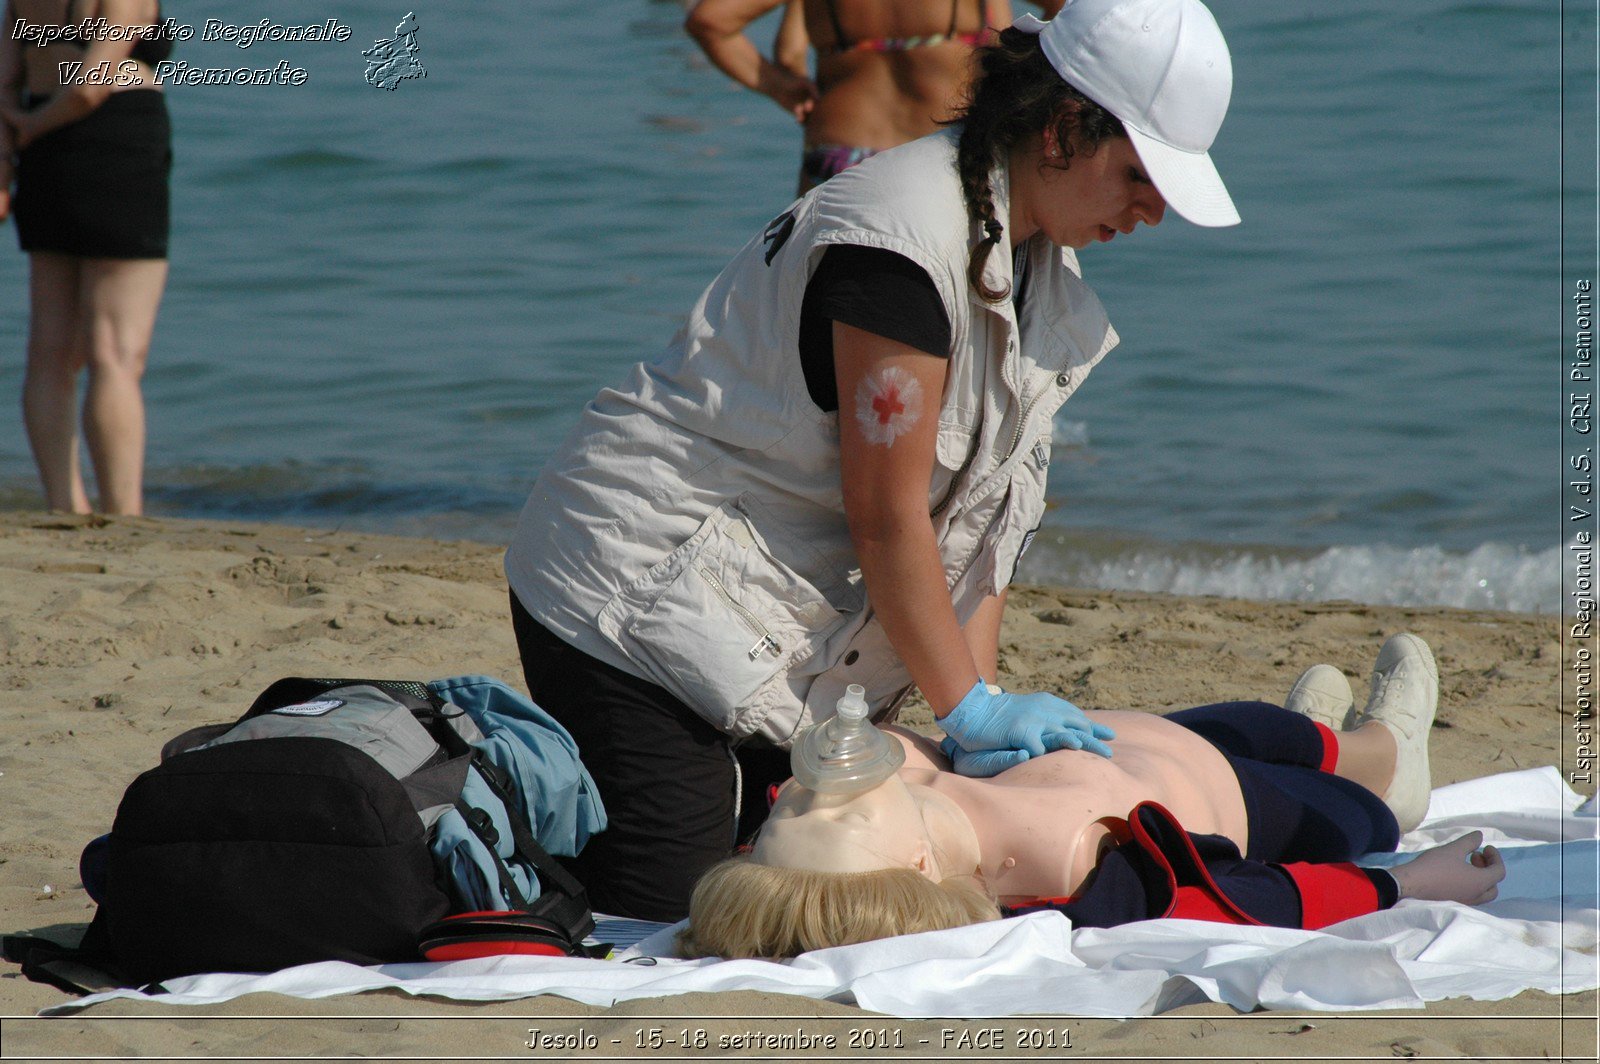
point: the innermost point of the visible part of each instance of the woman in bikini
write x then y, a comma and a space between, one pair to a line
887, 71
1242, 813
90, 164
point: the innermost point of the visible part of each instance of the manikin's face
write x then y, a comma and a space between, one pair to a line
1095, 198
893, 825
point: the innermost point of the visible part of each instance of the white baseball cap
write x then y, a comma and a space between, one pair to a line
1162, 67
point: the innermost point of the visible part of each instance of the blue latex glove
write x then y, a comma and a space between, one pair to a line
988, 718
982, 763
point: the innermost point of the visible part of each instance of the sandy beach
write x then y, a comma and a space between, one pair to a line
116, 634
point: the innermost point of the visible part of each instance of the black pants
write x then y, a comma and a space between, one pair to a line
1295, 811
667, 777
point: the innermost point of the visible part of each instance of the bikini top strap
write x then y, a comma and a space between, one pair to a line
955, 8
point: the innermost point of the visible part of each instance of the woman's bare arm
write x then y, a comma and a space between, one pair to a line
792, 45
983, 636
718, 27
889, 397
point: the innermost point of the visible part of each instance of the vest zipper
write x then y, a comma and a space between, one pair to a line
766, 642
1016, 438
1016, 435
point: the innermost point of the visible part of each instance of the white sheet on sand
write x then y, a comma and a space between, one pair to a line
1542, 933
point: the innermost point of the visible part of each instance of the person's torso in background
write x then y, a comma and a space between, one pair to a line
885, 87
43, 66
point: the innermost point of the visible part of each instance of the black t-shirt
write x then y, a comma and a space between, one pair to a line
874, 290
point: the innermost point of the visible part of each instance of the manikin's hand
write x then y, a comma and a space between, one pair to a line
988, 718
1464, 870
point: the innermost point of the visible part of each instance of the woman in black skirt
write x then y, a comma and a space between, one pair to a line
86, 145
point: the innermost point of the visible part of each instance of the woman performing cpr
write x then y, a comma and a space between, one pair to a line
1241, 812
829, 476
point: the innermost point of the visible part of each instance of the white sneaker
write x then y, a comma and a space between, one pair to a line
1404, 698
1323, 694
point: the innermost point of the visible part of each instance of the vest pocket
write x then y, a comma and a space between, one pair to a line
728, 613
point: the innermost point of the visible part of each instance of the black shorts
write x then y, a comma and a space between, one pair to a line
98, 187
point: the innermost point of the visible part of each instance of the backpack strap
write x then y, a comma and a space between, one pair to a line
563, 907
483, 827
87, 968
568, 903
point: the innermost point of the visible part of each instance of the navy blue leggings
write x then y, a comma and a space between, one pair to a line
1295, 811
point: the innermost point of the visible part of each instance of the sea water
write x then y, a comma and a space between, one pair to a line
386, 307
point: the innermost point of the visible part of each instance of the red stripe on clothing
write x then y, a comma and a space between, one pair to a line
1331, 892
1330, 747
1197, 903
1194, 901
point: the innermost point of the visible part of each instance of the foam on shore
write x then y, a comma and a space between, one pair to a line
1491, 576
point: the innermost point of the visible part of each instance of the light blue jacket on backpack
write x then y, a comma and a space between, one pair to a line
557, 794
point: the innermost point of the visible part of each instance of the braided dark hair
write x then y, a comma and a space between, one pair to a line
1016, 95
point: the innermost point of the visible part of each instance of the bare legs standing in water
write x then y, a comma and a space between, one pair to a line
94, 314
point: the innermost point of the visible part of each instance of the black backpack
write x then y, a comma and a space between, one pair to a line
366, 821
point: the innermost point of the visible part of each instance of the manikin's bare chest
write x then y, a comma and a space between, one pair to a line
1042, 826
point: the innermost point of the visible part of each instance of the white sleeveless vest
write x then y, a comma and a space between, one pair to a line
690, 531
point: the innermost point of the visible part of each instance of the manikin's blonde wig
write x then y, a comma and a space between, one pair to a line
744, 909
